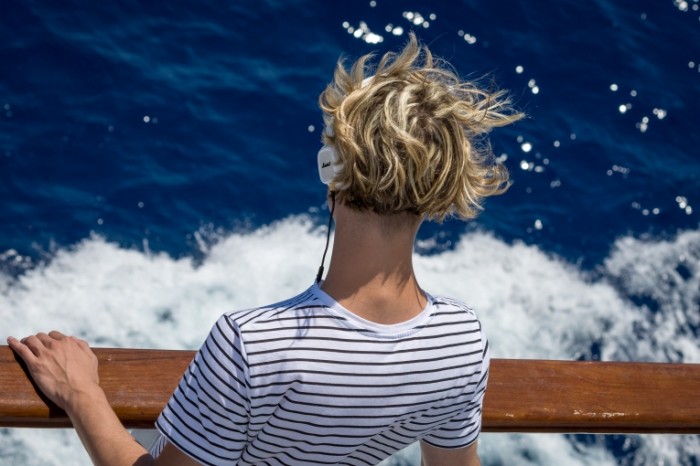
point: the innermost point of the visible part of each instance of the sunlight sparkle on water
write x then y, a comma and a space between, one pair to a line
395, 30
363, 32
643, 125
644, 211
418, 19
684, 205
660, 113
682, 5
532, 84
624, 171
468, 38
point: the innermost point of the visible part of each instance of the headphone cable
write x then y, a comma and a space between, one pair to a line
328, 238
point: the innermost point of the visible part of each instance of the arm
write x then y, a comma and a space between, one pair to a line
65, 369
434, 456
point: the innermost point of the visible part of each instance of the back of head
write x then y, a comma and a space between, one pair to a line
410, 136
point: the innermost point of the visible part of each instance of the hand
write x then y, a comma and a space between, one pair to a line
63, 367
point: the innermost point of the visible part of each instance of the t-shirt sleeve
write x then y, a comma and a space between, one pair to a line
464, 428
207, 416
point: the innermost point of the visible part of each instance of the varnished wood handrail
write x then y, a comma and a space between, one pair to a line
523, 395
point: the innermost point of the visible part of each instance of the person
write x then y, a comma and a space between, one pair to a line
365, 361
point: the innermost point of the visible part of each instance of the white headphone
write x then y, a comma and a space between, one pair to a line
328, 160
328, 166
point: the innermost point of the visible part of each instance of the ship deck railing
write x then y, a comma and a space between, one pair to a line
523, 395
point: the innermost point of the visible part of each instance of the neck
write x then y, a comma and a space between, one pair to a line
371, 269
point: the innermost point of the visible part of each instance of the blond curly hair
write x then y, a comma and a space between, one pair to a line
410, 136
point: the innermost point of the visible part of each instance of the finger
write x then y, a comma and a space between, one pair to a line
20, 348
44, 338
35, 343
56, 335
81, 343
13, 342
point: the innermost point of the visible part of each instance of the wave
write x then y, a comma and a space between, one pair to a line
641, 303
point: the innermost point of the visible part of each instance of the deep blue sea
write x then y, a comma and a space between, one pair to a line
157, 168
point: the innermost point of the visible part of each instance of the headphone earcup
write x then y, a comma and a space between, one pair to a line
327, 161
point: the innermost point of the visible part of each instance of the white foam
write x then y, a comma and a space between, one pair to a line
119, 297
665, 274
533, 305
530, 302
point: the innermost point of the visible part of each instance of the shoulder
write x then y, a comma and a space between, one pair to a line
233, 329
450, 308
280, 314
461, 318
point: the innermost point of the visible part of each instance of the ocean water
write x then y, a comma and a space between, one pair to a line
157, 168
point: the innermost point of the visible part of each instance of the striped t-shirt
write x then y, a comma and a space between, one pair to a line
307, 382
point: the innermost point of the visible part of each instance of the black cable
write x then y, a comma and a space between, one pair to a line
328, 238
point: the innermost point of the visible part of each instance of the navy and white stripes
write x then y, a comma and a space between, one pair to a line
306, 382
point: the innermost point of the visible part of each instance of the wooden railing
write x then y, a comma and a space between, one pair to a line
523, 395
